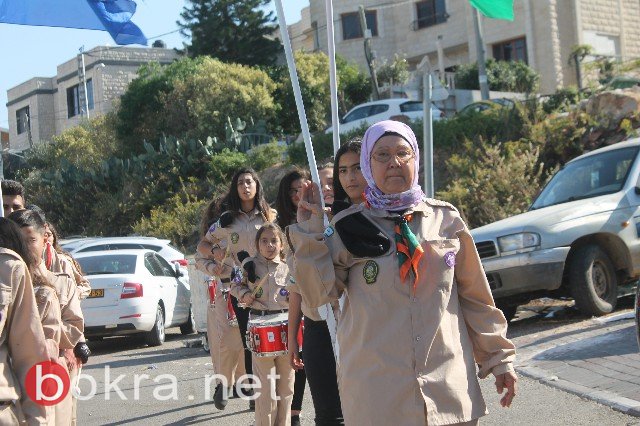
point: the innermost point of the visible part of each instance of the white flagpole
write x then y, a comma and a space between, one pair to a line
333, 80
284, 33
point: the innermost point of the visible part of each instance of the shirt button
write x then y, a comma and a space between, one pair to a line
418, 339
415, 299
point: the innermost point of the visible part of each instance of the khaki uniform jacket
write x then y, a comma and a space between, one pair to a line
273, 294
405, 357
63, 264
22, 341
71, 313
50, 317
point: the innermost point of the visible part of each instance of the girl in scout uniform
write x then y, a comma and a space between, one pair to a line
225, 344
235, 232
418, 314
263, 289
22, 341
287, 205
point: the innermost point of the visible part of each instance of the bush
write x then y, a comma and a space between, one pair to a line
505, 76
263, 156
562, 99
322, 146
224, 164
177, 220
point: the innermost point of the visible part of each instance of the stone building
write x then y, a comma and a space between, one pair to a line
43, 107
542, 34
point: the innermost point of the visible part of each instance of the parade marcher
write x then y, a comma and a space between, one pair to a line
73, 350
225, 343
325, 172
263, 290
286, 206
46, 299
63, 262
13, 197
235, 232
419, 313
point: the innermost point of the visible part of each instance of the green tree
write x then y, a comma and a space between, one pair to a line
237, 31
394, 72
506, 76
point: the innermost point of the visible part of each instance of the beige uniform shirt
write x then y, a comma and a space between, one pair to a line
71, 313
22, 341
50, 317
63, 264
402, 352
273, 294
238, 236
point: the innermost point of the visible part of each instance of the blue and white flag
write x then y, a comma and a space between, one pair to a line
113, 16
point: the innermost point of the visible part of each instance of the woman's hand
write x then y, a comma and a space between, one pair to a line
248, 299
294, 356
218, 269
218, 253
507, 381
309, 201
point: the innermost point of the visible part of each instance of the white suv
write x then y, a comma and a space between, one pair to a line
388, 109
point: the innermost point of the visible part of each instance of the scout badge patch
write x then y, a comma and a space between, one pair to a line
450, 259
235, 237
329, 231
370, 272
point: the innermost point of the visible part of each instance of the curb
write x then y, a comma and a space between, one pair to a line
616, 402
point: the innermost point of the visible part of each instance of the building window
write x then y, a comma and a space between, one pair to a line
351, 27
22, 120
75, 101
430, 12
513, 50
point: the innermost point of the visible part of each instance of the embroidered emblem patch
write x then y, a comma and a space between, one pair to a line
213, 227
283, 292
329, 231
370, 272
291, 279
234, 238
259, 293
450, 259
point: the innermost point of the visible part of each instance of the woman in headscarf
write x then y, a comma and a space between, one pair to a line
419, 314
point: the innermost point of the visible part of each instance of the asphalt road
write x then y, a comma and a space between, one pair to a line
172, 389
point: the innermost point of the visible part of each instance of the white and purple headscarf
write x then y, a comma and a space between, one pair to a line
374, 196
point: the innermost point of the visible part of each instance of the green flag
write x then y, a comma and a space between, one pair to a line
497, 9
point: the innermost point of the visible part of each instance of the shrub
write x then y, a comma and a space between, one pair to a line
224, 164
263, 156
506, 76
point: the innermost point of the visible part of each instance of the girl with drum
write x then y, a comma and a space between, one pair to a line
225, 343
418, 314
263, 290
287, 205
234, 233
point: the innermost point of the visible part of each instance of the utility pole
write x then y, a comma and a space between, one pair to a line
83, 82
482, 70
28, 115
368, 53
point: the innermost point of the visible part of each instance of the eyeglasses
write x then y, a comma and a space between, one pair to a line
403, 156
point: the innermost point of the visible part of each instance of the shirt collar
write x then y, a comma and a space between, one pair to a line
276, 260
421, 207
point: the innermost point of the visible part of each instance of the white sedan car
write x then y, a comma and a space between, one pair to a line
369, 113
134, 291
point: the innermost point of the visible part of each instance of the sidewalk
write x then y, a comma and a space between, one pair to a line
597, 359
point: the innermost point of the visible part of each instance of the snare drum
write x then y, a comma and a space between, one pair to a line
231, 313
212, 283
267, 335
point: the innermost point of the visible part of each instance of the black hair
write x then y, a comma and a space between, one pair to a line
12, 238
277, 230
24, 218
355, 146
259, 202
212, 212
12, 187
285, 207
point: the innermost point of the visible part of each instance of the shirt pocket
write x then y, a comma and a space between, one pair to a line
6, 297
441, 261
372, 275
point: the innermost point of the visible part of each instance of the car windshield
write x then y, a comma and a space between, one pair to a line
590, 177
108, 264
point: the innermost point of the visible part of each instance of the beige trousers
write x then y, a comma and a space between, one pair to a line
270, 412
64, 410
225, 344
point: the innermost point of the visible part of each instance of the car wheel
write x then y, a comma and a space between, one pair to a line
509, 312
593, 281
155, 337
188, 327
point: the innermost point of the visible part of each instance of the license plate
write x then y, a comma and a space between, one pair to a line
98, 292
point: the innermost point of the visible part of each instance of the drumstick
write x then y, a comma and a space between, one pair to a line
260, 284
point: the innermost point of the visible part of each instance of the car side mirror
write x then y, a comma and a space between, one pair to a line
177, 270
